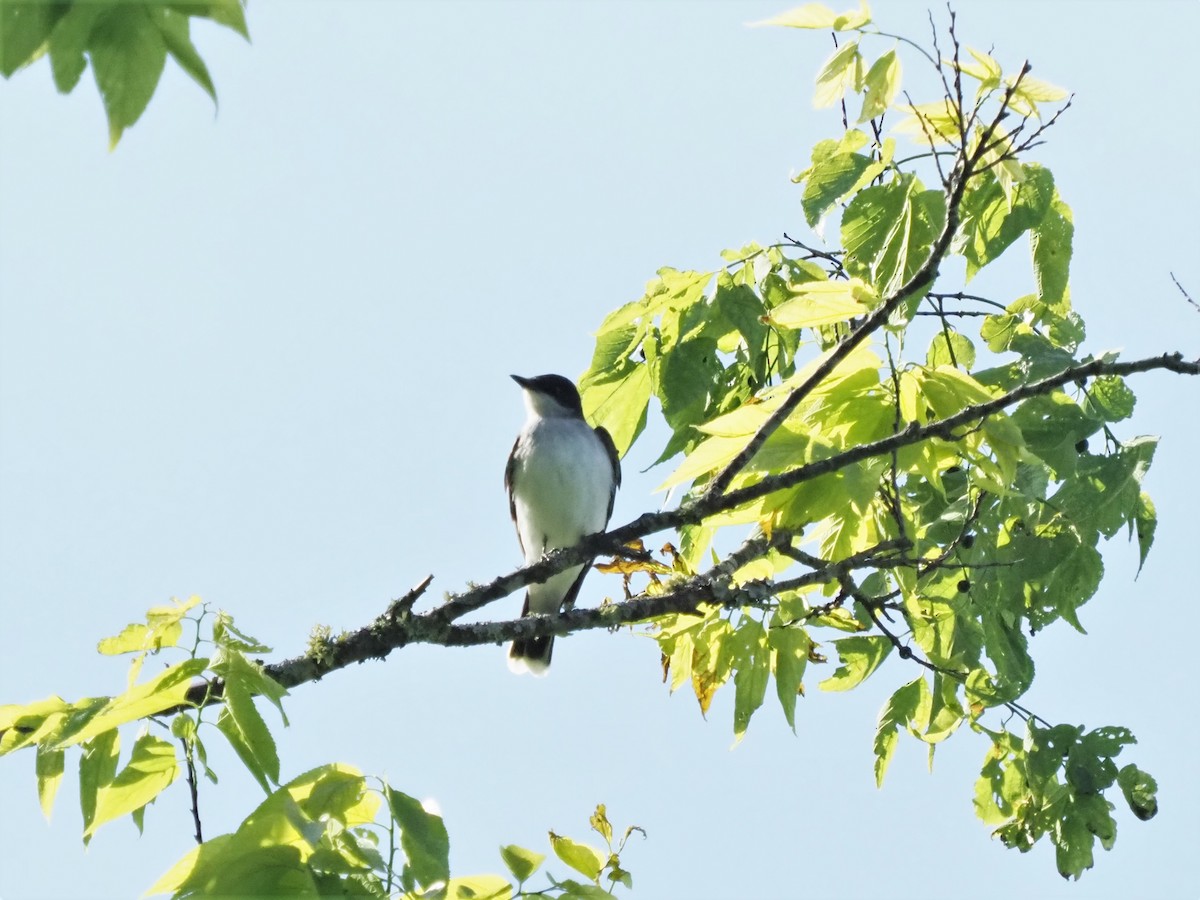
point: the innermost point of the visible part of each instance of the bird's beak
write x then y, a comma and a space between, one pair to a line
523, 382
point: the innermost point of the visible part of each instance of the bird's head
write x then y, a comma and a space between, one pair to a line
551, 396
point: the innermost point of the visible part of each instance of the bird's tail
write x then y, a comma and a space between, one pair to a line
531, 655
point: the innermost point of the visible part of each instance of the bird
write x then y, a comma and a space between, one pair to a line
562, 478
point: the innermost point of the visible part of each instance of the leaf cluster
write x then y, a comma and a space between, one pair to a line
331, 831
934, 492
127, 44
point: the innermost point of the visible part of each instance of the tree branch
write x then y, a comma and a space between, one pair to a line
871, 323
398, 626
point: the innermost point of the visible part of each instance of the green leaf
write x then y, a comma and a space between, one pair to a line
687, 380
991, 221
24, 28
1106, 494
860, 657
1009, 652
50, 766
302, 818
228, 637
175, 34
575, 890
753, 672
1146, 521
1140, 790
1031, 91
521, 862
619, 403
819, 16
712, 660
810, 15
234, 666
248, 734
269, 870
423, 838
128, 55
132, 639
97, 768
987, 71
742, 308
949, 348
1073, 579
1073, 843
619, 875
152, 768
882, 84
836, 170
478, 887
1108, 398
790, 646
888, 231
600, 824
584, 859
1051, 242
1053, 425
168, 689
224, 12
817, 303
945, 711
932, 123
1001, 782
68, 41
902, 707
841, 71
33, 723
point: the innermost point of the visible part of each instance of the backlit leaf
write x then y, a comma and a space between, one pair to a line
423, 838
882, 83
860, 657
585, 859
521, 862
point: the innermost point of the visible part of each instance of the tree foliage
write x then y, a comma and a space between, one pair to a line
878, 471
127, 44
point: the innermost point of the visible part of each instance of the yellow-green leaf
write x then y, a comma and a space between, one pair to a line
151, 769
753, 661
790, 646
479, 887
932, 123
882, 84
860, 657
810, 15
619, 404
521, 862
583, 858
49, 776
168, 689
817, 303
841, 71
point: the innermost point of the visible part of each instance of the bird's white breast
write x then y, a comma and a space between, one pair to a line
562, 482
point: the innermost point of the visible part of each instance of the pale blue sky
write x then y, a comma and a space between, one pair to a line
263, 358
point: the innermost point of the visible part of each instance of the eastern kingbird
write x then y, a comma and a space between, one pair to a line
562, 477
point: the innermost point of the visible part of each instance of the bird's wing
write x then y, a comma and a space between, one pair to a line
611, 449
569, 598
509, 471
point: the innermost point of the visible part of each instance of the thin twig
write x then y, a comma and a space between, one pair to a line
920, 279
189, 760
1186, 295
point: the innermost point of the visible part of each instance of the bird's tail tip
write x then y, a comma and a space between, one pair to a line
530, 655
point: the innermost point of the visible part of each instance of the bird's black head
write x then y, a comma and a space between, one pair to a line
561, 390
